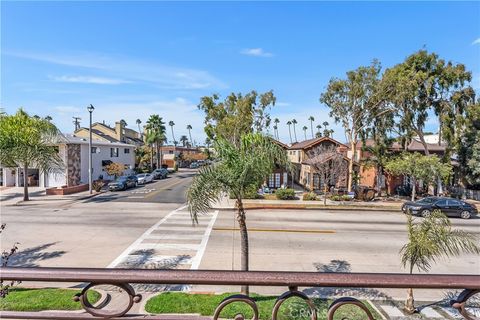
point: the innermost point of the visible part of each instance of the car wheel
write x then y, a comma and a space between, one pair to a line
465, 214
425, 213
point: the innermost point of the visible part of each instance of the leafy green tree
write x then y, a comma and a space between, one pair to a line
294, 122
156, 136
189, 128
355, 103
27, 141
115, 169
289, 123
419, 168
239, 168
422, 84
429, 240
468, 147
237, 115
311, 119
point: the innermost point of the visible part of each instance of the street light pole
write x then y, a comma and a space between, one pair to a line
90, 109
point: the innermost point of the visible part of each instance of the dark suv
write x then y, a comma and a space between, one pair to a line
449, 206
123, 183
160, 173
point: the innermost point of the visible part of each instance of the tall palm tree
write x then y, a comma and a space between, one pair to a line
311, 119
326, 131
189, 128
289, 123
171, 124
429, 240
305, 128
275, 131
156, 135
123, 123
27, 141
239, 168
294, 122
184, 140
138, 122
276, 121
318, 134
48, 118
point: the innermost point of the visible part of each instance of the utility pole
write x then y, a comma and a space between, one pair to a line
90, 109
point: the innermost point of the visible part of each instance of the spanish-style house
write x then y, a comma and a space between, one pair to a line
304, 154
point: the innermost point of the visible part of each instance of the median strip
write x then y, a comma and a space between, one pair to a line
277, 230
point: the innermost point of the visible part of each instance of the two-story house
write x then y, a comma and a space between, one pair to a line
119, 133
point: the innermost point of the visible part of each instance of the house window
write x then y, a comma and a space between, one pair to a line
127, 150
271, 181
113, 152
94, 149
277, 180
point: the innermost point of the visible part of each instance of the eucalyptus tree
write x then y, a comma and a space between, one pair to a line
294, 122
311, 119
172, 124
27, 141
429, 240
289, 123
468, 147
355, 102
156, 135
424, 84
239, 167
305, 128
189, 128
236, 115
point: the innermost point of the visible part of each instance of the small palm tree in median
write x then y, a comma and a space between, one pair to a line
429, 240
239, 168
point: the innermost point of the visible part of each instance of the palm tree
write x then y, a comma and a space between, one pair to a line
138, 122
276, 121
429, 240
311, 119
27, 141
123, 123
289, 123
189, 128
171, 124
275, 131
318, 134
184, 140
156, 135
239, 168
48, 118
305, 128
294, 122
326, 131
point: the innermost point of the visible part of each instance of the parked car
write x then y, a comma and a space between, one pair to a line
144, 178
194, 165
123, 183
160, 173
449, 206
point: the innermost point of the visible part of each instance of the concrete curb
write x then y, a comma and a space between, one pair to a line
311, 207
41, 201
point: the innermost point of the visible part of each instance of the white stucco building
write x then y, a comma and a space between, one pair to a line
74, 152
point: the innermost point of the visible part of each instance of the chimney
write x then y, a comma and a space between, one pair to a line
119, 131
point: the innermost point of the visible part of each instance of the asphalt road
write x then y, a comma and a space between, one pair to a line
169, 190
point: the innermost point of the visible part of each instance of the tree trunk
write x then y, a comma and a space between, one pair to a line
151, 157
25, 183
161, 155
243, 240
353, 146
158, 154
410, 302
424, 143
414, 188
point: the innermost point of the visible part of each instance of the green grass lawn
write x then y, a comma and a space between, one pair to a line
22, 299
205, 304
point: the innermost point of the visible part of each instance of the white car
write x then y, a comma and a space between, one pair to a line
144, 178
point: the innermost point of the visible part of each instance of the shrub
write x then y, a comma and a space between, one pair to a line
309, 196
285, 194
97, 185
251, 193
340, 198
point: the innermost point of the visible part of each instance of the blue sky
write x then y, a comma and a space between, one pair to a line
134, 59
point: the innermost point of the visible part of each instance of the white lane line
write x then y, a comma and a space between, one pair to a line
167, 246
198, 257
125, 253
175, 236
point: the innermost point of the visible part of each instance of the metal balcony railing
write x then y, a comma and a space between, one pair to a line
125, 278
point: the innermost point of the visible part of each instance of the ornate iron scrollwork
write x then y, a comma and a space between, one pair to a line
290, 294
237, 298
347, 301
461, 304
98, 311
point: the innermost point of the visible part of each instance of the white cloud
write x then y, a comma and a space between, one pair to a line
132, 70
66, 109
256, 52
89, 79
476, 41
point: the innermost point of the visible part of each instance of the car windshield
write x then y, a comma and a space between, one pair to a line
428, 200
141, 175
121, 179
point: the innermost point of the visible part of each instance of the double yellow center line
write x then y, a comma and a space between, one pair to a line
277, 230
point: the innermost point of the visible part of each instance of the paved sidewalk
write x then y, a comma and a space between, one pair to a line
14, 196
